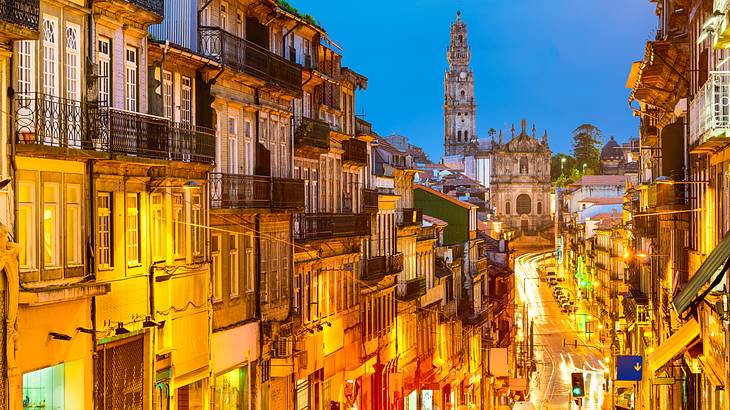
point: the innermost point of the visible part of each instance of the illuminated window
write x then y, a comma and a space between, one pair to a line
104, 227
168, 95
51, 228
131, 80
26, 225
74, 241
158, 227
178, 225
133, 256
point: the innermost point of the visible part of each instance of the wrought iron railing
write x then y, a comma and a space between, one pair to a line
23, 13
409, 217
48, 120
313, 133
314, 226
137, 134
395, 263
287, 193
239, 191
370, 200
411, 289
155, 6
710, 109
249, 58
356, 152
375, 268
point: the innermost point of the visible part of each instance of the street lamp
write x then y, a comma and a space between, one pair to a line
562, 161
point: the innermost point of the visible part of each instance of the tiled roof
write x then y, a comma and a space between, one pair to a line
444, 196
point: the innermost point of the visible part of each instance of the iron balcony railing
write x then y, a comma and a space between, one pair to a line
376, 268
409, 217
250, 58
411, 289
24, 13
710, 110
370, 200
48, 120
315, 226
395, 263
137, 134
233, 191
312, 133
356, 152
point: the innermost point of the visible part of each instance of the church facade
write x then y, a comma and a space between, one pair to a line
520, 182
516, 173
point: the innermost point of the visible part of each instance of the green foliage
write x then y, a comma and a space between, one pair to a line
291, 9
587, 140
561, 164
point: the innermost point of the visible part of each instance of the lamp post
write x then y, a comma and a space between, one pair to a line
562, 161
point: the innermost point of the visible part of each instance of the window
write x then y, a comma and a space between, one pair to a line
216, 266
224, 16
51, 230
26, 225
158, 227
186, 107
131, 79
249, 261
50, 56
26, 76
196, 221
248, 153
178, 225
524, 166
133, 257
168, 97
105, 74
458, 135
239, 24
234, 264
524, 204
539, 208
507, 209
72, 63
233, 145
104, 221
74, 241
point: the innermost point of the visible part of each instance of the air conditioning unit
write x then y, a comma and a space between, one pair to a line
283, 347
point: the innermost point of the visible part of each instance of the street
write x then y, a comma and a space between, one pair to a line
555, 336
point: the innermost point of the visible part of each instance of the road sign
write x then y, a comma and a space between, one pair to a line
629, 368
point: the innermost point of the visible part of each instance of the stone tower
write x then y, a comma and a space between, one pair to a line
459, 105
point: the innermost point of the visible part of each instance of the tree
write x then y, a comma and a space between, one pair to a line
587, 140
561, 164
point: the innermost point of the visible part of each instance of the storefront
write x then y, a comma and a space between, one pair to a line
232, 389
235, 352
55, 387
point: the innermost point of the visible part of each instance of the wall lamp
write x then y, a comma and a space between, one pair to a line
59, 336
121, 330
148, 322
85, 330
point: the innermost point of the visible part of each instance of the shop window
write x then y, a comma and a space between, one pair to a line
231, 390
44, 388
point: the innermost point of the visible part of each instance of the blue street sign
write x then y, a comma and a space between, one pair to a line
629, 368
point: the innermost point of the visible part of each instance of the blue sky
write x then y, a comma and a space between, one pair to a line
557, 63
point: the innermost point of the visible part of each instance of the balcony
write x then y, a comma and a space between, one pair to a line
19, 19
370, 200
671, 195
409, 217
711, 108
318, 226
231, 191
313, 135
47, 120
480, 267
411, 289
378, 267
356, 152
149, 136
250, 58
395, 263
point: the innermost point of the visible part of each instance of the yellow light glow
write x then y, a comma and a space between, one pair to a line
600, 326
642, 255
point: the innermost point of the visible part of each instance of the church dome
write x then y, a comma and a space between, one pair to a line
612, 150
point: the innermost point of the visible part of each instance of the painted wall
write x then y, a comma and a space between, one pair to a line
458, 218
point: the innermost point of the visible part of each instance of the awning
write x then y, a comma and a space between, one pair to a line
671, 347
708, 271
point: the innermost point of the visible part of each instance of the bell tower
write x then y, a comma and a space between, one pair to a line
459, 104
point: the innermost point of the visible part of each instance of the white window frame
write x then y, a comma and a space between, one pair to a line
49, 36
235, 263
224, 15
26, 67
73, 61
248, 147
168, 95
157, 222
216, 266
186, 100
131, 78
104, 62
249, 264
232, 147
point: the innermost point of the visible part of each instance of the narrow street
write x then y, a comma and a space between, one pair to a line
550, 388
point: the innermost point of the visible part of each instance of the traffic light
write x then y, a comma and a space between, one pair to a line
576, 380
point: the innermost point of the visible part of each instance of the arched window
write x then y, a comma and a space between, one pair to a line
539, 208
461, 38
463, 93
466, 135
507, 208
458, 135
524, 205
524, 166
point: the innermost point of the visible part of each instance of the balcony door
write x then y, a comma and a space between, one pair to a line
73, 87
49, 105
